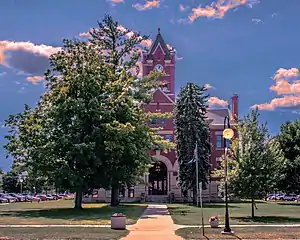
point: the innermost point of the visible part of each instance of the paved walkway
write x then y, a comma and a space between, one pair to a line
155, 223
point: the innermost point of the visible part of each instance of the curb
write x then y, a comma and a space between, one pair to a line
54, 226
244, 226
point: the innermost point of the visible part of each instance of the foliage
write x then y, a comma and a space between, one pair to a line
289, 140
191, 128
89, 129
10, 182
254, 163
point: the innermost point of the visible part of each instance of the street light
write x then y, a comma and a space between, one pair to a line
21, 185
227, 135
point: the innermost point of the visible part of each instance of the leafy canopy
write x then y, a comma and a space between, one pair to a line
89, 129
254, 162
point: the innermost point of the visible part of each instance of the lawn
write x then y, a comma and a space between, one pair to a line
62, 212
267, 213
61, 233
240, 233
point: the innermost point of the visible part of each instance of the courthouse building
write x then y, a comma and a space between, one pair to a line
162, 178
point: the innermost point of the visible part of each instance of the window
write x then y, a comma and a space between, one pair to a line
227, 143
122, 192
131, 192
219, 141
163, 121
153, 121
168, 138
95, 194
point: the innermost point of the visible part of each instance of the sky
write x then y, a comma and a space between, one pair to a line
245, 47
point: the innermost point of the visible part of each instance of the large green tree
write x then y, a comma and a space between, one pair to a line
191, 128
289, 139
89, 129
10, 182
255, 161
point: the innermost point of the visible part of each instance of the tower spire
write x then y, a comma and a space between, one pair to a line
159, 41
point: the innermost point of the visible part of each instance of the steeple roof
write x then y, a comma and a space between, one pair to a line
159, 40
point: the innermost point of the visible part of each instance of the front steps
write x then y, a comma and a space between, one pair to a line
157, 198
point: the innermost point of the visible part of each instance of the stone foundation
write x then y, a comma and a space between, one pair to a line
139, 193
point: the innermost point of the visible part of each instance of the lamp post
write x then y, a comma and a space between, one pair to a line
21, 185
227, 135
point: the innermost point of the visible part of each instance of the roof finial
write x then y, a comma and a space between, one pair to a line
158, 30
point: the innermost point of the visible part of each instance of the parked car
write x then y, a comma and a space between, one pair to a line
69, 197
290, 197
271, 197
44, 197
8, 197
280, 196
3, 200
19, 197
30, 198
51, 197
57, 196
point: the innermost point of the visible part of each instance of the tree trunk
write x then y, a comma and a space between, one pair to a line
78, 199
194, 196
114, 200
252, 208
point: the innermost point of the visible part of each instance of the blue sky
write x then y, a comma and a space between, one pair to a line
248, 47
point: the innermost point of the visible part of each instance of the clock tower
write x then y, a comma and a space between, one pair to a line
161, 57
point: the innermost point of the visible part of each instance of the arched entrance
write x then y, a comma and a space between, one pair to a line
158, 179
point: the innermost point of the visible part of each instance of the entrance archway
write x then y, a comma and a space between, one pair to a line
158, 179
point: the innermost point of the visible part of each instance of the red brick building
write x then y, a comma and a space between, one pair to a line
162, 178
162, 57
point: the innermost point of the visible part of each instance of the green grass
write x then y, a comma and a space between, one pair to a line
61, 233
267, 213
62, 212
240, 233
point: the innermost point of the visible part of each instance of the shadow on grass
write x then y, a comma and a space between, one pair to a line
268, 219
102, 213
218, 206
190, 206
209, 234
289, 204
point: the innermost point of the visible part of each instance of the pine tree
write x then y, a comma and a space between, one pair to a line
191, 128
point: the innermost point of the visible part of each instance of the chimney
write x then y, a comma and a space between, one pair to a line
235, 106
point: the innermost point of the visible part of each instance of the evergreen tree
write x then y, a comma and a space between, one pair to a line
191, 128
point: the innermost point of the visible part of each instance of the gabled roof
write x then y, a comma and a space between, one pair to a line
218, 115
159, 41
158, 93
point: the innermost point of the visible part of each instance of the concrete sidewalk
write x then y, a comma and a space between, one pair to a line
156, 223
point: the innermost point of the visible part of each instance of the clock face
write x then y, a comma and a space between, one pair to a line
159, 67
